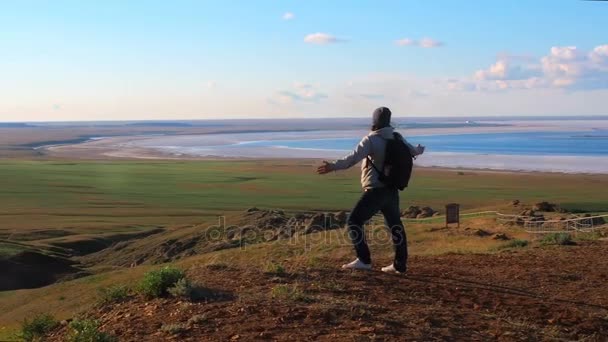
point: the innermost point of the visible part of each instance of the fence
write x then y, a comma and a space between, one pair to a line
531, 224
537, 224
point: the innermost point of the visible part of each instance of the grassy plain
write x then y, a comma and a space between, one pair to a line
52, 202
118, 195
61, 203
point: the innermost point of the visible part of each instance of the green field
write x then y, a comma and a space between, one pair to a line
120, 196
81, 206
66, 207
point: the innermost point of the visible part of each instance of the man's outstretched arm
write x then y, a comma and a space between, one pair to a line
362, 150
414, 150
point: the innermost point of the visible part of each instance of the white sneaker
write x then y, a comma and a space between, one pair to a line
357, 265
391, 269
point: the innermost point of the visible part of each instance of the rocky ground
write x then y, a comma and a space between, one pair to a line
550, 293
250, 227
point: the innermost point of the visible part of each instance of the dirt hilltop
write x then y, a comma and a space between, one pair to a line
539, 294
265, 274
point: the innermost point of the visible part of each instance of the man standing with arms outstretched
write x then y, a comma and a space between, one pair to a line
377, 196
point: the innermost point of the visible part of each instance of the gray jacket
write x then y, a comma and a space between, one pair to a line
374, 146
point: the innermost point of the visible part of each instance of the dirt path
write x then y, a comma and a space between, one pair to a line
539, 294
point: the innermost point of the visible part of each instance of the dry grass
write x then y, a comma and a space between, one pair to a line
70, 206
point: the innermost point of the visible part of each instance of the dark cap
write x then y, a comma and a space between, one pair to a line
381, 118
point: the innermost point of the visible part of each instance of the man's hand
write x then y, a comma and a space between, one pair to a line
420, 149
325, 168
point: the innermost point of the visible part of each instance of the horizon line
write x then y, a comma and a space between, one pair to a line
497, 117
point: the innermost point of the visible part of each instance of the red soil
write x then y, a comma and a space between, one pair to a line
538, 294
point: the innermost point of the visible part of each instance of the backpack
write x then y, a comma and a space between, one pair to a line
398, 163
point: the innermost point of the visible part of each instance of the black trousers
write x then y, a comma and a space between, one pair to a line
385, 200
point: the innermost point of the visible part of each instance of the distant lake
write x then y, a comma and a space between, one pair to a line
556, 151
526, 143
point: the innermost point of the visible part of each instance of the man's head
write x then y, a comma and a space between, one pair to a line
381, 118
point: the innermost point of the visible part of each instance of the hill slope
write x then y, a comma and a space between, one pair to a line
284, 281
541, 293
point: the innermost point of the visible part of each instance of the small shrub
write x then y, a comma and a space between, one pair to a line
332, 285
591, 236
460, 173
156, 283
197, 319
280, 291
290, 292
561, 239
113, 294
274, 268
174, 329
359, 311
315, 261
87, 330
516, 243
39, 326
217, 266
181, 289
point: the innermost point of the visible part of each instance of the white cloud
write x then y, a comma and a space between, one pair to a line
563, 62
569, 67
405, 42
565, 52
506, 69
288, 16
307, 96
565, 67
373, 96
428, 43
387, 89
299, 92
425, 43
321, 39
417, 93
599, 55
460, 85
300, 85
497, 71
211, 84
365, 96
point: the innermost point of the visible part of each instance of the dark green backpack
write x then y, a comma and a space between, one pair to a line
398, 164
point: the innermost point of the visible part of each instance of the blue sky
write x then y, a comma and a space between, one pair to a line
107, 60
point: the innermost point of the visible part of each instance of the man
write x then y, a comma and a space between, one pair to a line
376, 195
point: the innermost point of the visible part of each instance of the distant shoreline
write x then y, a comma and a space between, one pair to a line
232, 121
139, 147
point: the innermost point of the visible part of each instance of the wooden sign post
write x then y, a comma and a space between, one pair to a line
452, 214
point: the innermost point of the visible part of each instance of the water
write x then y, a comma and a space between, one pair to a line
526, 143
554, 151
